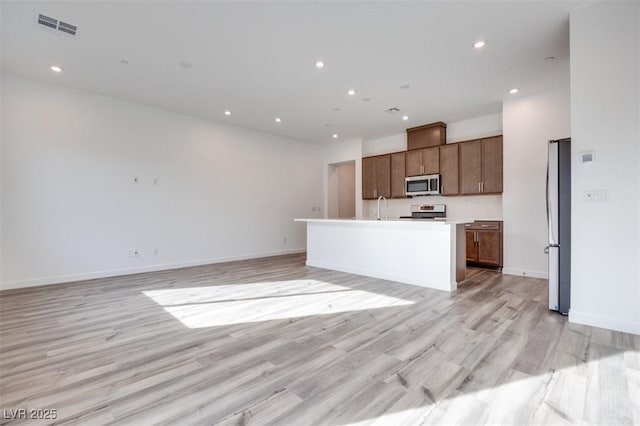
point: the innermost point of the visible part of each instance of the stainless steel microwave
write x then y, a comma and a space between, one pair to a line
422, 185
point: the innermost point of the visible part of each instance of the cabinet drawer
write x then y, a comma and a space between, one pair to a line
484, 226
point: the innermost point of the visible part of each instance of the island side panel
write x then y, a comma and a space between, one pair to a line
460, 260
413, 253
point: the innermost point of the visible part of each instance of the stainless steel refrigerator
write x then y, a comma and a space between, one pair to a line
559, 220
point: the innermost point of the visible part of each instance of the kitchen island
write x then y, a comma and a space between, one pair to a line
427, 253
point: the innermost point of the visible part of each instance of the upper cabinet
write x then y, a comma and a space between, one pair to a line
492, 165
368, 178
397, 174
376, 177
449, 170
480, 165
465, 168
426, 136
423, 162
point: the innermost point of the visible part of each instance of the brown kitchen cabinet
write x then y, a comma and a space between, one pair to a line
423, 162
449, 170
376, 177
480, 163
398, 160
484, 243
433, 134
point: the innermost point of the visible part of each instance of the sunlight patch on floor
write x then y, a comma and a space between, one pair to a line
570, 394
200, 307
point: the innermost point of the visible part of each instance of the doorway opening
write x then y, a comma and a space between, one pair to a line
342, 190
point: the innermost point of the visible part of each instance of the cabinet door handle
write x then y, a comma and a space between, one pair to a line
482, 186
479, 187
375, 192
477, 237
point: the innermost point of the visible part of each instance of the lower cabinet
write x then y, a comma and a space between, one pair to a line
484, 243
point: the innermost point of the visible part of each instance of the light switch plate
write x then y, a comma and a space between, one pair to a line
587, 157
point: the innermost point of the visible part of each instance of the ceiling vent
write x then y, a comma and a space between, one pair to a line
47, 21
392, 110
53, 24
67, 28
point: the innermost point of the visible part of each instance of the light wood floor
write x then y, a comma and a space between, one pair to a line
271, 341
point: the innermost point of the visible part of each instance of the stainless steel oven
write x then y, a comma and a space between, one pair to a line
422, 185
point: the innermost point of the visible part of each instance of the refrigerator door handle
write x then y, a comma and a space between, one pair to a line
549, 218
551, 221
546, 249
547, 191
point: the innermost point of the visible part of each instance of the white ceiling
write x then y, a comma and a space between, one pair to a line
257, 58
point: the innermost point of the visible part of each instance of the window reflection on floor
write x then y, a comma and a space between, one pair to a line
212, 306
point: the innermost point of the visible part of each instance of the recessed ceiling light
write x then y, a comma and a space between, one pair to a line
278, 120
124, 62
479, 44
335, 136
405, 117
513, 91
319, 64
351, 92
227, 112
56, 68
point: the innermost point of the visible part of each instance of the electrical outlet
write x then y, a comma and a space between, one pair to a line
134, 253
156, 251
284, 240
136, 180
156, 181
313, 209
319, 208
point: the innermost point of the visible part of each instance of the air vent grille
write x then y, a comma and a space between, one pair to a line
67, 28
52, 24
47, 21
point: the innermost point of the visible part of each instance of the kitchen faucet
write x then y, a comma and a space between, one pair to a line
385, 204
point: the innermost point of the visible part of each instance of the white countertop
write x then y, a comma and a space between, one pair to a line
446, 221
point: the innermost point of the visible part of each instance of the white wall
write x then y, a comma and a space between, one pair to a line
473, 128
478, 207
528, 124
70, 209
605, 104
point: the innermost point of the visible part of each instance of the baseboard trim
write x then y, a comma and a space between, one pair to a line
604, 322
525, 273
397, 278
11, 285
